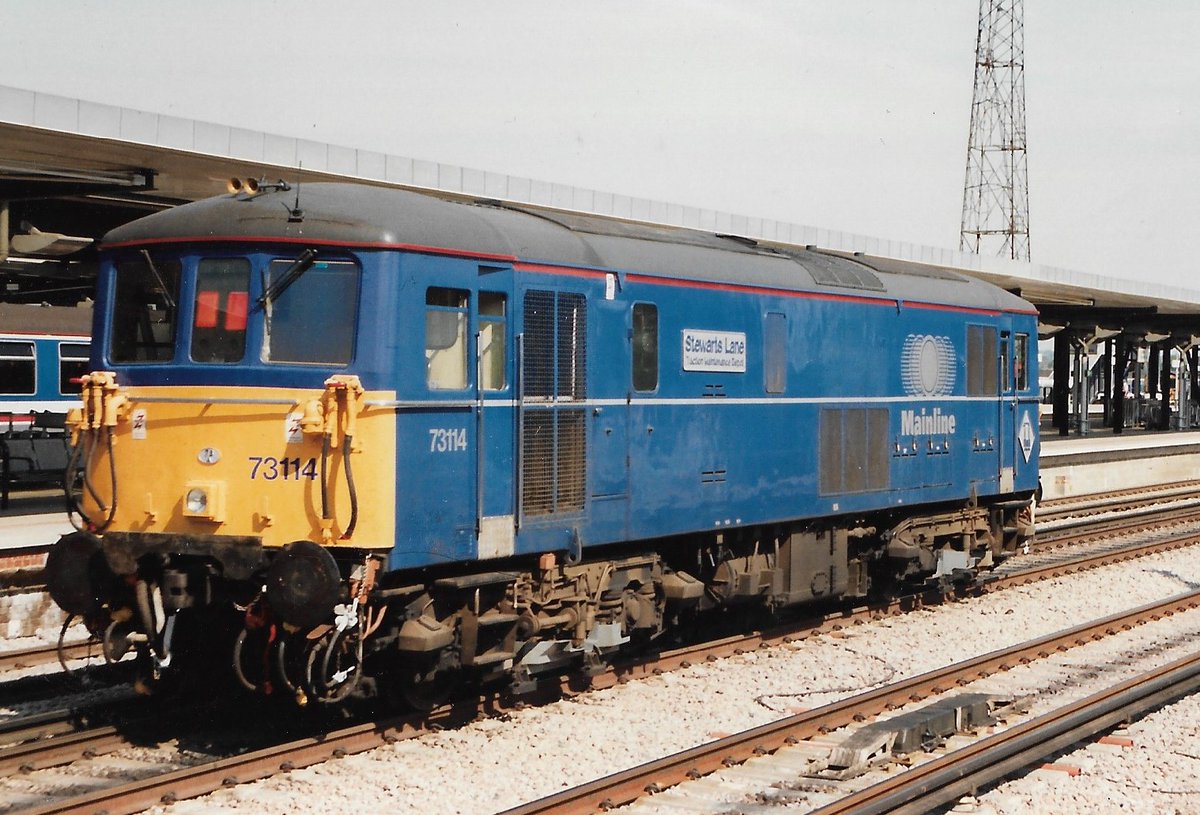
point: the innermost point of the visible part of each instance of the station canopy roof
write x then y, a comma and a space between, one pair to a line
71, 170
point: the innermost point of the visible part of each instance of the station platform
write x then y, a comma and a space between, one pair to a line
33, 518
1103, 461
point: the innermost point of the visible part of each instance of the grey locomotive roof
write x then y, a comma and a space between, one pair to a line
360, 214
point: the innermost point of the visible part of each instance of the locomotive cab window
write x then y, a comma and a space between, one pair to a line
18, 368
143, 320
72, 364
492, 349
314, 317
645, 346
219, 319
446, 338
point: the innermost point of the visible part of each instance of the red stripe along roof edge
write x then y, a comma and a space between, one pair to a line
575, 271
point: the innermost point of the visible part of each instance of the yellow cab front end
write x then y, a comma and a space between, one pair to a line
232, 482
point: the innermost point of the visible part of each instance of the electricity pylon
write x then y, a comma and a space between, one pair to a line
995, 213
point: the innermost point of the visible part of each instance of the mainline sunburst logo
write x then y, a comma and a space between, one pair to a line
927, 365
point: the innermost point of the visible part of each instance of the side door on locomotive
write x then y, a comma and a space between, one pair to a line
455, 437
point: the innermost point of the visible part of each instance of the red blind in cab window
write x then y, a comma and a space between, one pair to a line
207, 303
235, 311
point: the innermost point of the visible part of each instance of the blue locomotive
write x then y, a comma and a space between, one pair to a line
346, 431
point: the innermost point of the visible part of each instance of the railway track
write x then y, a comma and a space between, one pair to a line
173, 782
1136, 497
56, 745
792, 732
35, 657
968, 769
187, 781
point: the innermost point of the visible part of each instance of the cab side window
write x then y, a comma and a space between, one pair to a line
493, 356
446, 338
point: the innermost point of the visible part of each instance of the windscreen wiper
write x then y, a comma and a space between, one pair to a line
289, 276
166, 293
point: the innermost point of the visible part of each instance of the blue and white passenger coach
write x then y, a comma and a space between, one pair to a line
456, 437
43, 352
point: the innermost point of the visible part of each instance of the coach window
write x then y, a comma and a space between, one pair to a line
313, 319
446, 338
1021, 360
645, 346
775, 353
72, 364
492, 350
18, 368
222, 298
143, 322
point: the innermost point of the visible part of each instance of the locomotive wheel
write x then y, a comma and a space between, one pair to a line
424, 692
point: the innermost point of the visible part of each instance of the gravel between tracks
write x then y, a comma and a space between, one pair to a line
498, 763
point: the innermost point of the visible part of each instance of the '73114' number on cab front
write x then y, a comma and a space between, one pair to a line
269, 468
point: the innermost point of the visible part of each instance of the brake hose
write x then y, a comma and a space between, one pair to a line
346, 439
326, 439
74, 507
112, 474
90, 438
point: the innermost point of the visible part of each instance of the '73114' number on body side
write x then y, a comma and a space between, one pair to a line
447, 440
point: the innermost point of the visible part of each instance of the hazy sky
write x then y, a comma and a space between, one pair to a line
845, 114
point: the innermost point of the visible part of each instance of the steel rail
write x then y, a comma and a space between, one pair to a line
60, 749
33, 657
1088, 561
1059, 507
1135, 520
55, 725
627, 786
191, 782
